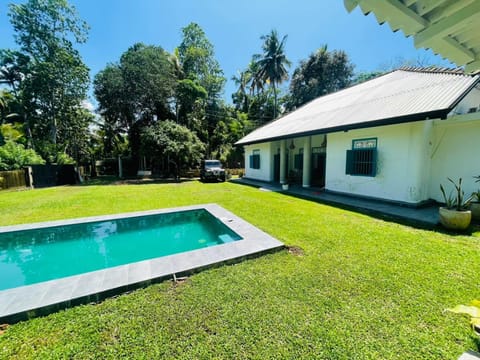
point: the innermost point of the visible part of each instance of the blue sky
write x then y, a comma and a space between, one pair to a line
234, 28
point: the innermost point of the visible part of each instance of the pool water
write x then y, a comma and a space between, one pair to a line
32, 256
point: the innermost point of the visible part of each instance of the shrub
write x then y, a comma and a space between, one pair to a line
14, 156
64, 159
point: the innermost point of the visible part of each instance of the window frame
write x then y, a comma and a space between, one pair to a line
254, 159
362, 160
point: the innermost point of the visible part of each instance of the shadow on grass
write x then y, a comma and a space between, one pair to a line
418, 222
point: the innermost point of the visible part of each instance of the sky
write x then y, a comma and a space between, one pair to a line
234, 28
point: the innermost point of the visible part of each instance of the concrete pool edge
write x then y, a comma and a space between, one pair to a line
39, 299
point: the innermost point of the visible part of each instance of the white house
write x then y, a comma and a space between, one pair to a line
396, 137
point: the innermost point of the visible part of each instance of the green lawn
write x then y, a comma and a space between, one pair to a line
364, 288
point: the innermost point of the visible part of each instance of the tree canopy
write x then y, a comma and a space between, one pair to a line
47, 75
197, 58
323, 72
149, 86
150, 102
166, 139
148, 81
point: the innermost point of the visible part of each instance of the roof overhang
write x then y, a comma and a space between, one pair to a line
401, 96
451, 28
437, 114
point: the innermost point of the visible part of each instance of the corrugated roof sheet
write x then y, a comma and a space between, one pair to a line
400, 96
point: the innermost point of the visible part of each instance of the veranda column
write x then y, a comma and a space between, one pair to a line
307, 161
283, 162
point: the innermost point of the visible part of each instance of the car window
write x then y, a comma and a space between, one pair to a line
212, 164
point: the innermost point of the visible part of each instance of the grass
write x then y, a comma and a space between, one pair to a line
364, 288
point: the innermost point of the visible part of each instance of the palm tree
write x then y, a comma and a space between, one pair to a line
241, 96
272, 63
256, 83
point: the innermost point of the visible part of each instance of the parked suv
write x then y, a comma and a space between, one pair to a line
212, 170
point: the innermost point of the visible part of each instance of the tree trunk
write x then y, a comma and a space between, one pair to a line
274, 100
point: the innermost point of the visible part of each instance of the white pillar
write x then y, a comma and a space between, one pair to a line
307, 161
283, 161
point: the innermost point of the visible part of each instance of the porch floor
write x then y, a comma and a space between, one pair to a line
425, 217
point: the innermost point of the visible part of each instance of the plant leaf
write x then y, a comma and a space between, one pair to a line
475, 325
473, 311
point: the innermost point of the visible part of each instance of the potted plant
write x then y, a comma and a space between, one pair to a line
455, 215
475, 203
285, 186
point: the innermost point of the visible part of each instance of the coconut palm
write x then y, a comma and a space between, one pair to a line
256, 83
241, 97
272, 63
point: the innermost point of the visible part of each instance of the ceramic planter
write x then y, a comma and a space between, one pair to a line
455, 220
284, 186
475, 209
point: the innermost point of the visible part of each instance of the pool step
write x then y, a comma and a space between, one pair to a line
225, 238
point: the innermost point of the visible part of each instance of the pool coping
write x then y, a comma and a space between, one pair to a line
25, 302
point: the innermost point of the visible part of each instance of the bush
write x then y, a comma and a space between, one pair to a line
64, 159
14, 156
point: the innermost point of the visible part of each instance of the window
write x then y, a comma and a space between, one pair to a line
255, 159
362, 159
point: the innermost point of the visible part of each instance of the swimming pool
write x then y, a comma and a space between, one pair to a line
36, 255
236, 240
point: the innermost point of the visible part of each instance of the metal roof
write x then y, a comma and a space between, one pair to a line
450, 28
400, 96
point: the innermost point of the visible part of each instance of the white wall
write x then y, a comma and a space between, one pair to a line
265, 172
402, 163
455, 153
413, 158
317, 140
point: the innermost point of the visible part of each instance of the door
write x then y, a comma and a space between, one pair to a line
276, 167
318, 167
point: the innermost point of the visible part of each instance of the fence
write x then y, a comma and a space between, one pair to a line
12, 179
53, 175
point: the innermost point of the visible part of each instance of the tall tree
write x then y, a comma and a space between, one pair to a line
149, 81
134, 93
55, 78
273, 63
241, 96
112, 97
323, 72
197, 57
252, 97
